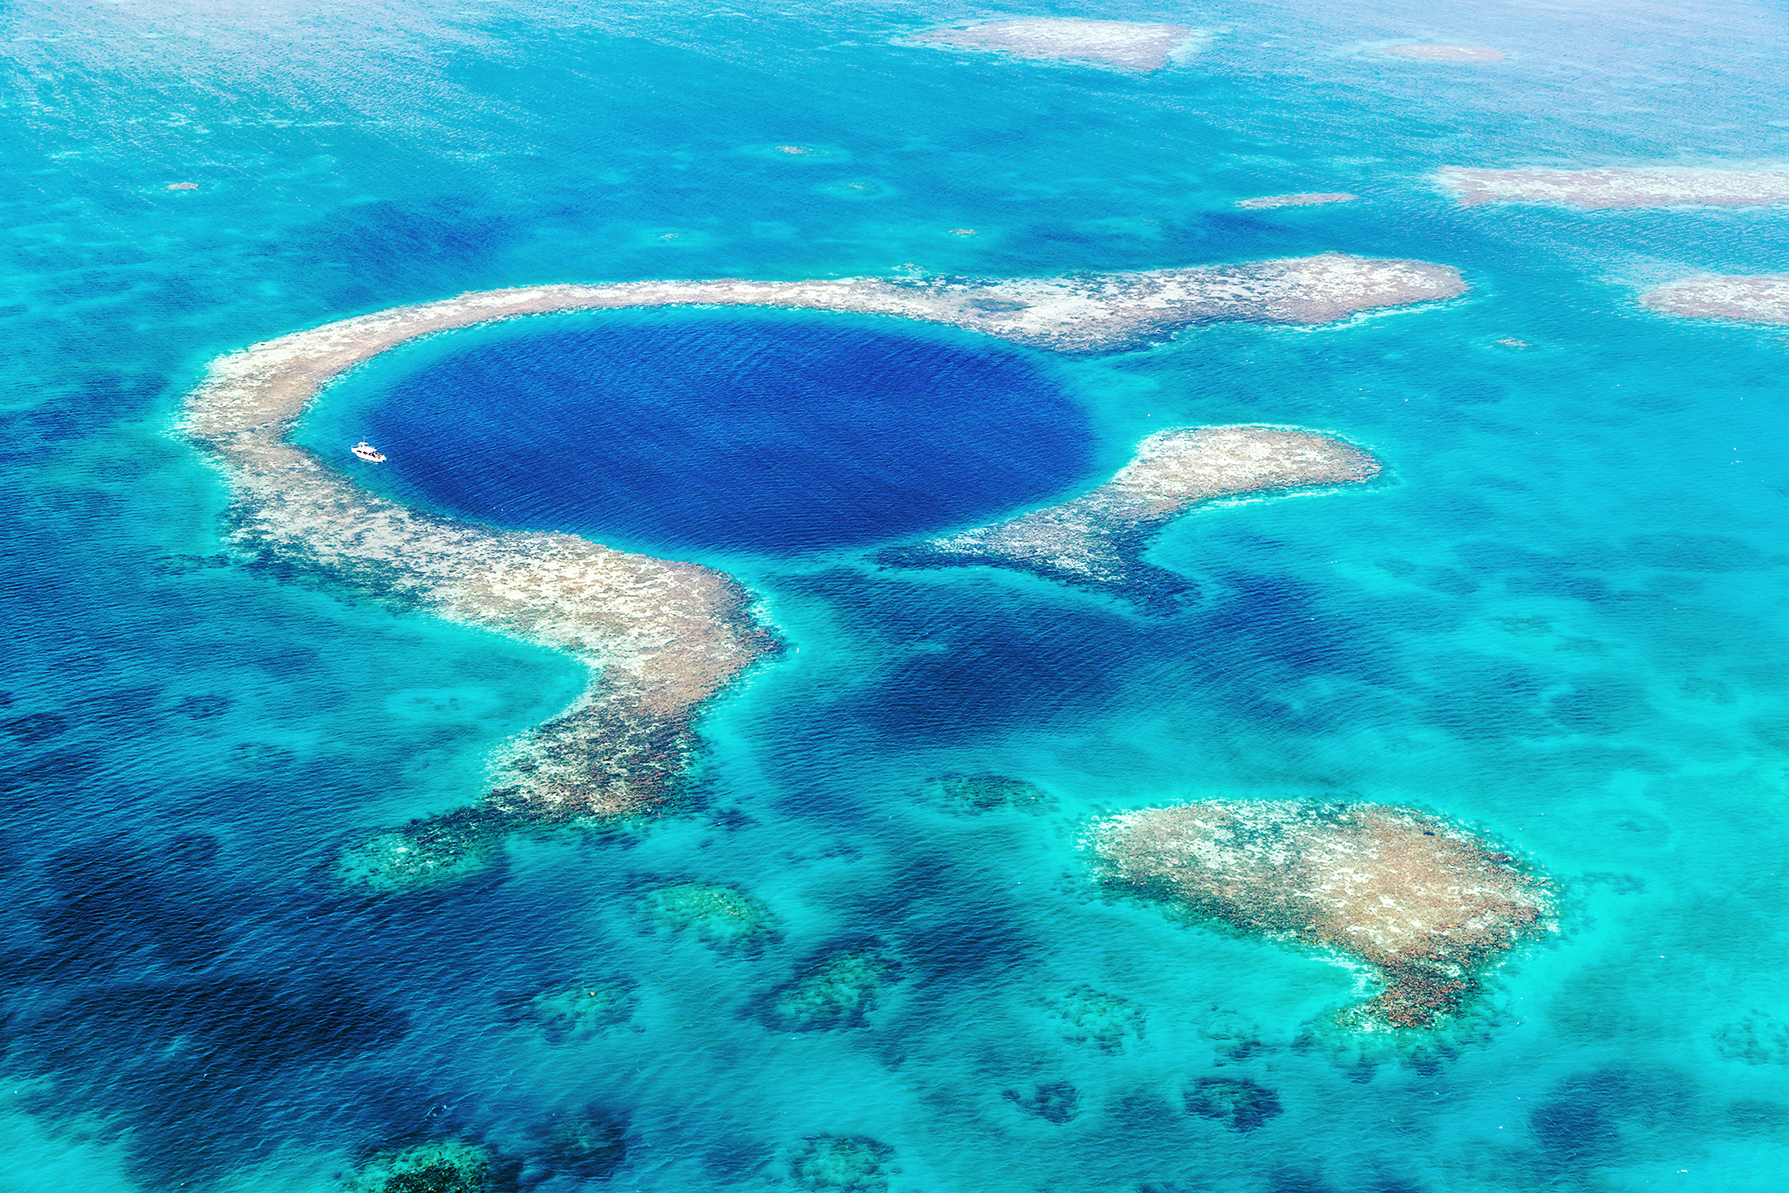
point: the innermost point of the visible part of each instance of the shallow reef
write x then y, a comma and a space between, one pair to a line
722, 917
1238, 1103
448, 1166
578, 1010
976, 793
1742, 298
1662, 186
1096, 541
840, 1164
1097, 1019
1126, 44
837, 991
1428, 905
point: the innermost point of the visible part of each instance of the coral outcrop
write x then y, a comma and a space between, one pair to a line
1096, 541
1429, 906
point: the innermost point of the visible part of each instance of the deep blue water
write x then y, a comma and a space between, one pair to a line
1559, 619
764, 432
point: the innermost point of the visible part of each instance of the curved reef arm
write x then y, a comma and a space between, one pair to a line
1097, 541
661, 636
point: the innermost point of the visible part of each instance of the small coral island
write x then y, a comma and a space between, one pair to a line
1754, 298
1426, 904
1096, 541
1616, 187
661, 637
1125, 44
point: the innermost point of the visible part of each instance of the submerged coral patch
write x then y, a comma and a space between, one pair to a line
1095, 1019
722, 917
835, 992
1053, 1101
1426, 904
450, 1166
840, 1164
579, 1010
974, 793
1238, 1103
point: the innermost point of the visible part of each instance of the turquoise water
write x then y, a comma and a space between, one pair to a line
1558, 618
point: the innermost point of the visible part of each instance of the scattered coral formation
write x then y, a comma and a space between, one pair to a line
1311, 199
1665, 186
1053, 1101
1745, 298
1238, 1103
579, 1011
840, 1164
661, 637
1426, 52
589, 1145
1097, 1019
449, 1166
838, 991
984, 793
1756, 1038
1096, 541
427, 853
722, 917
1125, 44
1424, 903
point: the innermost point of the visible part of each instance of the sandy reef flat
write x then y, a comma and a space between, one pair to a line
661, 637
1666, 186
1425, 903
1125, 44
1096, 541
1755, 298
1313, 199
1426, 52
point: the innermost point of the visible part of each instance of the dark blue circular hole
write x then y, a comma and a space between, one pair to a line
769, 432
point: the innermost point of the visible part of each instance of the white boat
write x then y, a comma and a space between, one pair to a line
368, 452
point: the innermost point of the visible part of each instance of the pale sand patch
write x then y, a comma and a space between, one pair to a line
1097, 541
1663, 186
1753, 298
1424, 52
661, 637
1425, 903
1313, 199
1125, 44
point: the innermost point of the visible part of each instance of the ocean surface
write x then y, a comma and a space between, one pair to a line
1558, 617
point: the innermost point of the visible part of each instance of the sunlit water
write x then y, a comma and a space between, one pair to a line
1558, 618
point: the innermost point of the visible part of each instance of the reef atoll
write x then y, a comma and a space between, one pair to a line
1096, 541
1424, 903
1126, 44
1753, 298
1664, 186
661, 637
